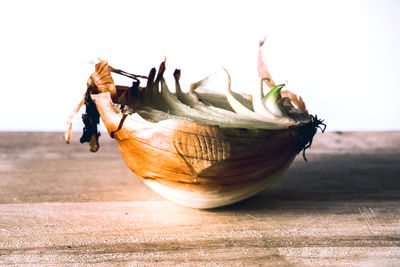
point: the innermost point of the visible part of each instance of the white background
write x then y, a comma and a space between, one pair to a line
342, 57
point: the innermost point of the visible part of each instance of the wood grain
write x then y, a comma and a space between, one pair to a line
59, 205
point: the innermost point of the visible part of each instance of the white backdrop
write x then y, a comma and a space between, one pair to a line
342, 57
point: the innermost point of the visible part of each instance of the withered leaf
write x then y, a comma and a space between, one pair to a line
297, 101
262, 68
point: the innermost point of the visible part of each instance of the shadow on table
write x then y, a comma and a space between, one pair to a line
333, 179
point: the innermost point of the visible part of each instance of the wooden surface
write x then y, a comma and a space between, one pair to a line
61, 204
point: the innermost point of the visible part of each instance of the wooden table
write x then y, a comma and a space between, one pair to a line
61, 204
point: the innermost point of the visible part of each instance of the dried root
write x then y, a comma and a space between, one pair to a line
91, 118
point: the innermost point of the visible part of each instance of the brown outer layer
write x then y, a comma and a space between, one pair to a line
195, 156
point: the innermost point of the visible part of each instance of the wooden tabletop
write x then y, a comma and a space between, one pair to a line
61, 204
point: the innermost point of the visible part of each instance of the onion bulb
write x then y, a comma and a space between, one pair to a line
201, 149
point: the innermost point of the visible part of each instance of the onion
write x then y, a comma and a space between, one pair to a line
199, 148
